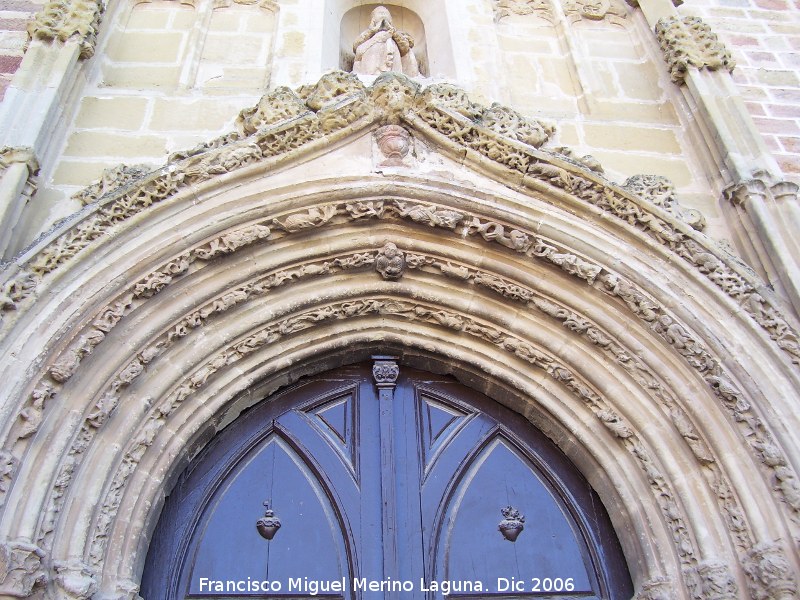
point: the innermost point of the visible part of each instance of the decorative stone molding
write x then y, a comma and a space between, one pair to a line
661, 192
75, 580
587, 161
62, 20
113, 178
8, 466
284, 122
505, 288
20, 568
539, 8
769, 573
760, 189
612, 11
689, 42
539, 169
518, 241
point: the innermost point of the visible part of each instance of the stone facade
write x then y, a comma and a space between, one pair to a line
577, 213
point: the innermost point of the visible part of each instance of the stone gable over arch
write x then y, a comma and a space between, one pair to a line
302, 240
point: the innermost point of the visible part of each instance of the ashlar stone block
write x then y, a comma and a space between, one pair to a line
617, 137
121, 112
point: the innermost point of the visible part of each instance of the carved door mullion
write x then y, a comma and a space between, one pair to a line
385, 372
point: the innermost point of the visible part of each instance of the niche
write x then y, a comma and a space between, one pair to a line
356, 25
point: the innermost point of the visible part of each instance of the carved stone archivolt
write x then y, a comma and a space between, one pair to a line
62, 20
508, 289
689, 42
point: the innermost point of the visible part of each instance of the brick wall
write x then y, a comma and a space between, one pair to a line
14, 17
764, 38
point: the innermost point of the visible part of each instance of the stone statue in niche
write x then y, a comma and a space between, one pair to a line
381, 48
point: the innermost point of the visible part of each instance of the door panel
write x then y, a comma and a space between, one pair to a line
468, 544
354, 476
306, 513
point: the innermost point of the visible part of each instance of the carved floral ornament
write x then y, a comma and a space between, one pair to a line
613, 11
689, 42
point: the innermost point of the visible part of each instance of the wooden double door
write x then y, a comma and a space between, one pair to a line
410, 487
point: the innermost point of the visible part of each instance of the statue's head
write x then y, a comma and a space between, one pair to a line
381, 18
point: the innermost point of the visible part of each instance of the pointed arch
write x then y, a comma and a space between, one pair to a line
180, 297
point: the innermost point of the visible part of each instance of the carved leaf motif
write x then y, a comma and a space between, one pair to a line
111, 179
769, 573
661, 192
332, 88
509, 123
8, 466
280, 105
60, 20
689, 42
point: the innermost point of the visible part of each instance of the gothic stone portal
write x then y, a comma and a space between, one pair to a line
475, 501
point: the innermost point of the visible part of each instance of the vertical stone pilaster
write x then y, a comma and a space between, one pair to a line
764, 224
60, 35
